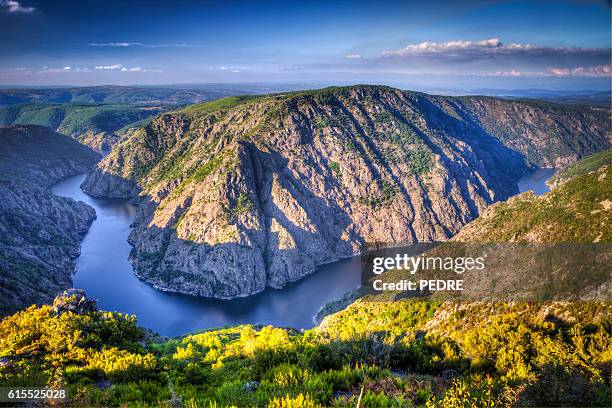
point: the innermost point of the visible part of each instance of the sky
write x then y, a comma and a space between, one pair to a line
420, 44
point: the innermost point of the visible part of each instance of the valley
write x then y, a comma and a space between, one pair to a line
115, 287
345, 204
384, 353
246, 193
186, 169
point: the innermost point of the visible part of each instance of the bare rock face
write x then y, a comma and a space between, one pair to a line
40, 232
246, 193
100, 141
73, 301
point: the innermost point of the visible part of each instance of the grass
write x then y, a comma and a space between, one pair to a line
571, 212
218, 105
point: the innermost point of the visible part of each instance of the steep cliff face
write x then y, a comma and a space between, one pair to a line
546, 134
249, 192
39, 232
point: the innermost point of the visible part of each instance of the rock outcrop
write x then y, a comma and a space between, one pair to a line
40, 232
73, 301
246, 193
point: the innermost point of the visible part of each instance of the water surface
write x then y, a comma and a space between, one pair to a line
104, 272
536, 181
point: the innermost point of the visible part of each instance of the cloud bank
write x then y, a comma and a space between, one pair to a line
464, 50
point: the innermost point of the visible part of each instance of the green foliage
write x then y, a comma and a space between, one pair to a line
243, 205
573, 212
71, 119
218, 105
381, 198
421, 160
335, 167
583, 166
367, 349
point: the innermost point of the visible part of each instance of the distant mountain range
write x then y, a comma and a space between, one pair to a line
97, 125
182, 94
142, 95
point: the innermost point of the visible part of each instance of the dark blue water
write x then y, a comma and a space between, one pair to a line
536, 181
104, 272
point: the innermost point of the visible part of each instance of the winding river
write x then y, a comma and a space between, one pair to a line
104, 272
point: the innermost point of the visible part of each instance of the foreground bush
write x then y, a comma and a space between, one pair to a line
411, 354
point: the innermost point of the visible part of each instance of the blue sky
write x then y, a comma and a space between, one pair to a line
455, 44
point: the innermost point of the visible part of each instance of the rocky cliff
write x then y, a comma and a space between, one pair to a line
39, 232
252, 192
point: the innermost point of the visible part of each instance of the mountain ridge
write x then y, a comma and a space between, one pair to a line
40, 233
279, 184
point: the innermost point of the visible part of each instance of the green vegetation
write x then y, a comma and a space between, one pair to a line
381, 353
421, 160
204, 170
583, 166
405, 145
71, 119
218, 105
577, 211
335, 167
394, 354
243, 205
380, 198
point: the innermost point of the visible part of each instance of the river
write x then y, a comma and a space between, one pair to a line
104, 272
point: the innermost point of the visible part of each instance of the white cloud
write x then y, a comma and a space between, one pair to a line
489, 48
136, 44
116, 44
601, 71
224, 68
120, 67
67, 68
511, 73
12, 6
353, 56
114, 67
109, 67
597, 71
139, 69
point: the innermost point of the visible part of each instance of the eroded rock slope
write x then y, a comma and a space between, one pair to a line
39, 231
252, 192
